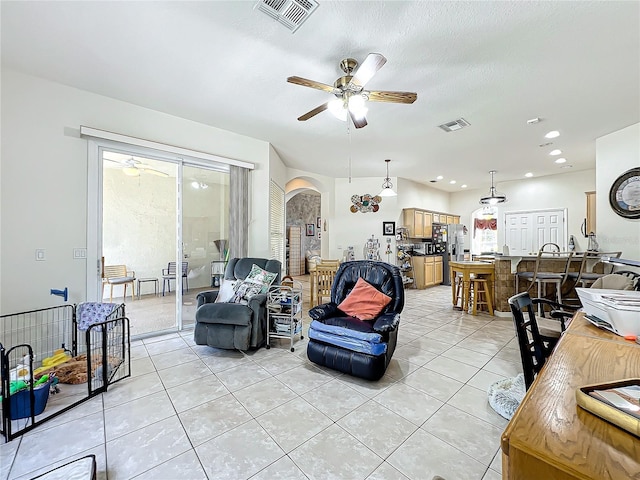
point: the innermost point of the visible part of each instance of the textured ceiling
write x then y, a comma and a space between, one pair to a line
576, 65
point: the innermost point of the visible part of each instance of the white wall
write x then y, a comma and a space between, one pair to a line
565, 190
615, 154
44, 179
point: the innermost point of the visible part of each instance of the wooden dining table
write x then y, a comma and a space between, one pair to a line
550, 436
466, 269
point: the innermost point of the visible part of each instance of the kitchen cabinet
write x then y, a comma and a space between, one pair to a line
427, 271
418, 222
429, 274
437, 271
456, 219
449, 219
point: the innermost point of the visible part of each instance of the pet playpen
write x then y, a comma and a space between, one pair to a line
71, 352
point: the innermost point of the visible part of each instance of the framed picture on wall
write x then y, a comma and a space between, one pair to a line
310, 230
318, 222
388, 228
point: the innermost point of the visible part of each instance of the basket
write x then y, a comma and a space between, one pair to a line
21, 406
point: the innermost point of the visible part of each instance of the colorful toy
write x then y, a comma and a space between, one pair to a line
22, 371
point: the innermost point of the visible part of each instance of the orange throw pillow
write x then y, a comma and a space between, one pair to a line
364, 302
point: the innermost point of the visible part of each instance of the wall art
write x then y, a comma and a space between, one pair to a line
365, 203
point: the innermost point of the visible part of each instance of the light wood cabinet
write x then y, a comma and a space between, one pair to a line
418, 272
418, 222
427, 232
429, 274
437, 269
590, 221
427, 271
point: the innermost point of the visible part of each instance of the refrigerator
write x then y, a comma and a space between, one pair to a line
449, 241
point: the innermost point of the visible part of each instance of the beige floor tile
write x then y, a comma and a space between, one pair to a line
442, 459
333, 454
293, 423
377, 427
239, 453
211, 419
409, 403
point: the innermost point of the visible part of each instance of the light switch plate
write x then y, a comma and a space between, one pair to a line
40, 257
80, 253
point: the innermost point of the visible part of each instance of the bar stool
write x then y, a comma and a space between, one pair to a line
481, 295
457, 281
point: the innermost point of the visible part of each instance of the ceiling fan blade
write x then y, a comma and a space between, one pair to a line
368, 69
152, 171
393, 97
358, 122
314, 112
311, 83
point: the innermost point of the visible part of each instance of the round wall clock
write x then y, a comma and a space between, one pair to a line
624, 195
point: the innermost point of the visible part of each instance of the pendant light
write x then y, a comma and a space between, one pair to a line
387, 186
493, 198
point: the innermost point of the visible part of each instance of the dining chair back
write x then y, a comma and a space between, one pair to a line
324, 275
534, 349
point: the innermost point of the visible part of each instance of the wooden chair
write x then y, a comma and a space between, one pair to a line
323, 276
117, 275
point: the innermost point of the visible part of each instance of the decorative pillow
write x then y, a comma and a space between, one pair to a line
226, 292
258, 281
364, 302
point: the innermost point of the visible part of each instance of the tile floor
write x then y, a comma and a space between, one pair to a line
193, 412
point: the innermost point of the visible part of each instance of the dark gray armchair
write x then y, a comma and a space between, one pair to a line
234, 326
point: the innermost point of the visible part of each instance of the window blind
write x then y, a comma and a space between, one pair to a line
276, 222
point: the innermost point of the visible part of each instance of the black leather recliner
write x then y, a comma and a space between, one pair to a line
343, 349
234, 326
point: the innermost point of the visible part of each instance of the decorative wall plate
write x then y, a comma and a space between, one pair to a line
365, 203
624, 195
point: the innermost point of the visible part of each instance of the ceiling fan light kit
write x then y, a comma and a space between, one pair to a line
494, 197
387, 186
351, 97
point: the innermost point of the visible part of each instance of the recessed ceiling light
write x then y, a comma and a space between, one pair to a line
561, 160
555, 152
463, 186
552, 134
528, 174
452, 182
439, 177
566, 166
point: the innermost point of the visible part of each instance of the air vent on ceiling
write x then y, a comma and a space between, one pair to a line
455, 125
290, 13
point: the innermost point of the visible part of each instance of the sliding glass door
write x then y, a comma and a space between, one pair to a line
166, 219
205, 231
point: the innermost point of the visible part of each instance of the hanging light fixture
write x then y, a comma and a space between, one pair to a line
493, 198
387, 186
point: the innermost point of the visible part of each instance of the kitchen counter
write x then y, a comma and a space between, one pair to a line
506, 267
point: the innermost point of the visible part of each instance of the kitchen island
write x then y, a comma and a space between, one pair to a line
506, 267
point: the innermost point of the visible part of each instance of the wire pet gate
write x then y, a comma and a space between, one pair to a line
40, 348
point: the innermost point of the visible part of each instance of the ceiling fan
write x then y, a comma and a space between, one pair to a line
132, 167
351, 97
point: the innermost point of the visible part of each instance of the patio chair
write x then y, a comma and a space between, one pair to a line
169, 274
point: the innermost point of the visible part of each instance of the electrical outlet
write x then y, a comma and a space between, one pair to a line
79, 253
40, 257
